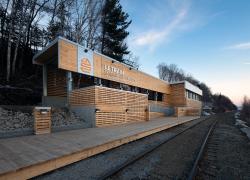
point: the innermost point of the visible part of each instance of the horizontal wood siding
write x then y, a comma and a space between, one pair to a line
180, 111
56, 82
42, 123
193, 112
67, 56
119, 107
194, 103
136, 105
187, 111
154, 115
131, 76
112, 106
165, 101
110, 118
178, 95
109, 96
82, 97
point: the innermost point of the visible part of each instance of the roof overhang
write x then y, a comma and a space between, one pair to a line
47, 54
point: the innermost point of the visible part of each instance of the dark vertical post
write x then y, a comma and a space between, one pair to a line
99, 81
156, 94
69, 85
45, 71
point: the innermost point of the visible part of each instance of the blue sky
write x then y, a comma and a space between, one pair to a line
209, 39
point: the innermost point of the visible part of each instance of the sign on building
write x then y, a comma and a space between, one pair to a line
85, 64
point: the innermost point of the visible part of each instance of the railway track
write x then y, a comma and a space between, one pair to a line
226, 155
112, 172
210, 171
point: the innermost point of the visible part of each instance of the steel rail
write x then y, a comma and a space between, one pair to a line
193, 171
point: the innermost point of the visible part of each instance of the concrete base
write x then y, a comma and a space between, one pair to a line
85, 112
54, 101
168, 111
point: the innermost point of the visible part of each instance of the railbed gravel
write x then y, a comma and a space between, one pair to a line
231, 149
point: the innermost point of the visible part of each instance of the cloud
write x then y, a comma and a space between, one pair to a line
246, 63
153, 37
165, 20
240, 46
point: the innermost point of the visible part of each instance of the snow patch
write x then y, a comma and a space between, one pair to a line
242, 124
246, 130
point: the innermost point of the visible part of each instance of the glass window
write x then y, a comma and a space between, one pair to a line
151, 95
159, 96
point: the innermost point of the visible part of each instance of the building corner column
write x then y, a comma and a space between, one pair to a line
69, 81
45, 80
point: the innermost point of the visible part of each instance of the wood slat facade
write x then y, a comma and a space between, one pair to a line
112, 106
56, 82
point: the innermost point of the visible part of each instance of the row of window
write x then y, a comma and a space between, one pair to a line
192, 95
81, 81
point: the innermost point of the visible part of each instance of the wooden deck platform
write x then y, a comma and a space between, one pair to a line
29, 156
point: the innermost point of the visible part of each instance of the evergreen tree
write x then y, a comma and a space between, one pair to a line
114, 24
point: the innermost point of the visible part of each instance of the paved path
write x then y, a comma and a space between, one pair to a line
20, 153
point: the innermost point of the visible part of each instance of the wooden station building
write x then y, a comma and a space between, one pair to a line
105, 92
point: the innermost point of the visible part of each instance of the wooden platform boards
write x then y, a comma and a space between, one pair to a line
29, 156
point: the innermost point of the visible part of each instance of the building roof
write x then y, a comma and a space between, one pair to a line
189, 87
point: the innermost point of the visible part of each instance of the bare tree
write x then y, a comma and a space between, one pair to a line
170, 73
20, 25
9, 42
86, 19
132, 60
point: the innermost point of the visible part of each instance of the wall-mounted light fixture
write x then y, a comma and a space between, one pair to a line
97, 110
44, 111
113, 61
127, 110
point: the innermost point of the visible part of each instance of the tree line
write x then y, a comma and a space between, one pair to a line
27, 26
172, 73
245, 110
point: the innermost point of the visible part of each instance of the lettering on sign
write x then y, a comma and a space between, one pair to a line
112, 69
116, 73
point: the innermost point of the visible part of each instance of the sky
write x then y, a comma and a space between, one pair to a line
209, 39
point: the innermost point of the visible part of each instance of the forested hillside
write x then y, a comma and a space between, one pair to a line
218, 102
27, 26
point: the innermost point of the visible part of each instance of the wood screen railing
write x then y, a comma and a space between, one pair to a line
113, 106
83, 96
